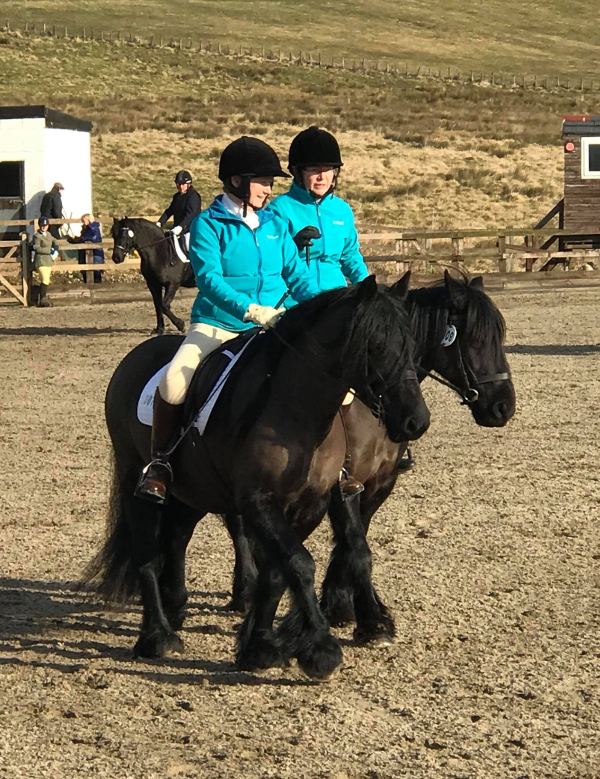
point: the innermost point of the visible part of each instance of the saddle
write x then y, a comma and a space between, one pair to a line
217, 370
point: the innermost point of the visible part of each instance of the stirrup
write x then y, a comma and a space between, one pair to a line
406, 463
349, 485
155, 482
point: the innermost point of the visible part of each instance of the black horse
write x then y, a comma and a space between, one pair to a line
160, 266
472, 361
271, 453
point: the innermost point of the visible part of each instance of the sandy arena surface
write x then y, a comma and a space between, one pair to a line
488, 554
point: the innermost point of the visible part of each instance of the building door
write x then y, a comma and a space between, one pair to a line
12, 196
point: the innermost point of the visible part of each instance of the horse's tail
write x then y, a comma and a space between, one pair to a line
113, 571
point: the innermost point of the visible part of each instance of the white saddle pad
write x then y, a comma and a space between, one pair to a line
179, 250
146, 401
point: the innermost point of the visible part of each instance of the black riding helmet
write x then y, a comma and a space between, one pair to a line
43, 220
183, 177
313, 146
249, 158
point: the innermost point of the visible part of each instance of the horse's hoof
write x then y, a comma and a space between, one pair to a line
321, 659
260, 653
156, 331
338, 610
155, 645
180, 325
379, 635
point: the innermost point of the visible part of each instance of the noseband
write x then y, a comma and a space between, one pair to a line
468, 393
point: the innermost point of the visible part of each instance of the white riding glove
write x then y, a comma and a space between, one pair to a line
263, 316
158, 224
177, 230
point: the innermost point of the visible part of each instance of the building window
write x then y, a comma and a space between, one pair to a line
590, 158
11, 180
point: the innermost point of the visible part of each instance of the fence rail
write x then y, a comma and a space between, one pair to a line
426, 249
405, 69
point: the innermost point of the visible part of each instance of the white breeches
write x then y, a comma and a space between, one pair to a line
202, 339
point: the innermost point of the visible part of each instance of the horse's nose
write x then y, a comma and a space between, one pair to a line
417, 424
501, 411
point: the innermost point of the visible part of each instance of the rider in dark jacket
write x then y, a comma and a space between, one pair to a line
186, 204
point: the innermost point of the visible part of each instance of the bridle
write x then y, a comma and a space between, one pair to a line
467, 392
130, 234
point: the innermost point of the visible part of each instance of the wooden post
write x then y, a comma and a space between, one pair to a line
89, 275
25, 269
458, 245
501, 243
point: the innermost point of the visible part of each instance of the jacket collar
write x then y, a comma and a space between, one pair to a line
217, 210
303, 196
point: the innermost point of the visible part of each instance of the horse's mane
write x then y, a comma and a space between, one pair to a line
430, 307
377, 327
135, 223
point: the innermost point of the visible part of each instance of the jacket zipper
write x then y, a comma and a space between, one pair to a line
323, 239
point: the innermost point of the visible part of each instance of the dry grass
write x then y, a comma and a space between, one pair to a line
417, 153
499, 35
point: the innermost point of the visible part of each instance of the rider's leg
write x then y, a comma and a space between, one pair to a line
44, 273
168, 406
349, 485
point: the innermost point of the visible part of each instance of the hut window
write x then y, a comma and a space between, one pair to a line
590, 158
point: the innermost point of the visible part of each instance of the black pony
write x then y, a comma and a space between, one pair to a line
271, 453
160, 266
459, 333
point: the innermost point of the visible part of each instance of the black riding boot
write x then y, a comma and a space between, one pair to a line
43, 301
156, 478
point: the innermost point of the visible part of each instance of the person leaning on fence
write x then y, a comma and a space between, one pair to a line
90, 233
52, 207
45, 251
244, 260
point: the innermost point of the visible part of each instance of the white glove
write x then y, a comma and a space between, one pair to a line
177, 230
264, 316
53, 254
158, 224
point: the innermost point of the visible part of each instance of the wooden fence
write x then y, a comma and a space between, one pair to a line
317, 59
425, 250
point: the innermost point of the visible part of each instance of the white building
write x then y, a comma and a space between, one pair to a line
38, 147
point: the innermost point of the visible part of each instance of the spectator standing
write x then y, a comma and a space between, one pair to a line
52, 207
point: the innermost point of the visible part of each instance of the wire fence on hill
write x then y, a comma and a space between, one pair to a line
522, 81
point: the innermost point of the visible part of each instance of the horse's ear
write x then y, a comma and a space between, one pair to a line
400, 288
115, 220
367, 288
477, 282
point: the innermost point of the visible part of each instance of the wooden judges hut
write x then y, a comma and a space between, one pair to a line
580, 206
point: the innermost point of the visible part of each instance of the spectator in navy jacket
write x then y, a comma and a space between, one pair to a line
90, 233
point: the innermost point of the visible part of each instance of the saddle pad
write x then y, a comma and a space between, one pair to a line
183, 256
146, 401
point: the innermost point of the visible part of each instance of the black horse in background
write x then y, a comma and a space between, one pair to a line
474, 365
271, 453
160, 266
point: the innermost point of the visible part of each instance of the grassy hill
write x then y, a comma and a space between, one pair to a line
511, 35
417, 152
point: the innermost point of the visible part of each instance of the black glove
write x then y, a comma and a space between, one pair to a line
303, 238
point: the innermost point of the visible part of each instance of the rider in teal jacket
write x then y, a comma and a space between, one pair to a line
236, 266
310, 207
